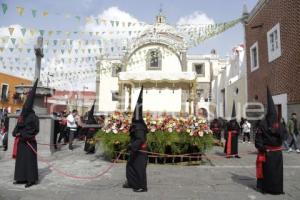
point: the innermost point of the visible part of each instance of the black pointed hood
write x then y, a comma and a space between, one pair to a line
137, 116
271, 115
28, 105
138, 122
233, 113
91, 118
233, 124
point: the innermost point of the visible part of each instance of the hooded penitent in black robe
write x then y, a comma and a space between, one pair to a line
90, 132
216, 128
26, 166
232, 136
268, 141
137, 162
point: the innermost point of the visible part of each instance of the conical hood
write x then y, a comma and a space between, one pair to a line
137, 115
28, 105
91, 119
233, 113
271, 115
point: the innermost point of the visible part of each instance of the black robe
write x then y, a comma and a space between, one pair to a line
272, 167
216, 128
26, 166
232, 137
89, 145
137, 163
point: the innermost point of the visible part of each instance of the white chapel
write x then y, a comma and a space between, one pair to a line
173, 80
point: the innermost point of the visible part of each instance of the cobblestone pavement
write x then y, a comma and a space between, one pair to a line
226, 179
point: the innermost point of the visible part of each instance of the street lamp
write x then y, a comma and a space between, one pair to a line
84, 87
48, 80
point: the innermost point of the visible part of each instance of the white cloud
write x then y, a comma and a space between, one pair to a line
196, 18
112, 13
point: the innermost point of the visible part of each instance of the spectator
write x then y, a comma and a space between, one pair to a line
286, 135
293, 129
63, 130
246, 130
72, 127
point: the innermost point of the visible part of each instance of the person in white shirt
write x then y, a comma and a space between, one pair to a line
246, 131
72, 126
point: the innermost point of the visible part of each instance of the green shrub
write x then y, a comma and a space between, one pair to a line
158, 142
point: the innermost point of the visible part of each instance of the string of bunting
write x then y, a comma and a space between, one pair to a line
21, 11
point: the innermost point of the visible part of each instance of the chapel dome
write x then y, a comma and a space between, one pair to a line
160, 32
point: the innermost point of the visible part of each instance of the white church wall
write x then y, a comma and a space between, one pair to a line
158, 100
138, 60
200, 78
108, 84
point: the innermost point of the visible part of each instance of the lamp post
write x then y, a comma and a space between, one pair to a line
84, 87
48, 80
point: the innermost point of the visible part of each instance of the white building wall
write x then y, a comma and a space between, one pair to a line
108, 84
138, 60
154, 100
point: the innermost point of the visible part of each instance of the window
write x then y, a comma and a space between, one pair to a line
274, 44
4, 92
116, 69
154, 58
254, 57
199, 93
199, 69
236, 92
115, 96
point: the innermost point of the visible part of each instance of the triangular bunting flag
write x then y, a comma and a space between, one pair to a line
20, 10
62, 51
42, 32
55, 42
58, 32
11, 49
28, 50
77, 17
13, 40
32, 32
4, 8
11, 30
23, 31
50, 33
45, 13
33, 12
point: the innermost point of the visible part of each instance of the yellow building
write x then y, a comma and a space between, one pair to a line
8, 98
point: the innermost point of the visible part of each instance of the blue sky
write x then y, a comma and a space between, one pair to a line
143, 10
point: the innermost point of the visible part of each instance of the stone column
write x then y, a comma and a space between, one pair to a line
184, 61
129, 98
121, 97
190, 100
38, 49
98, 86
